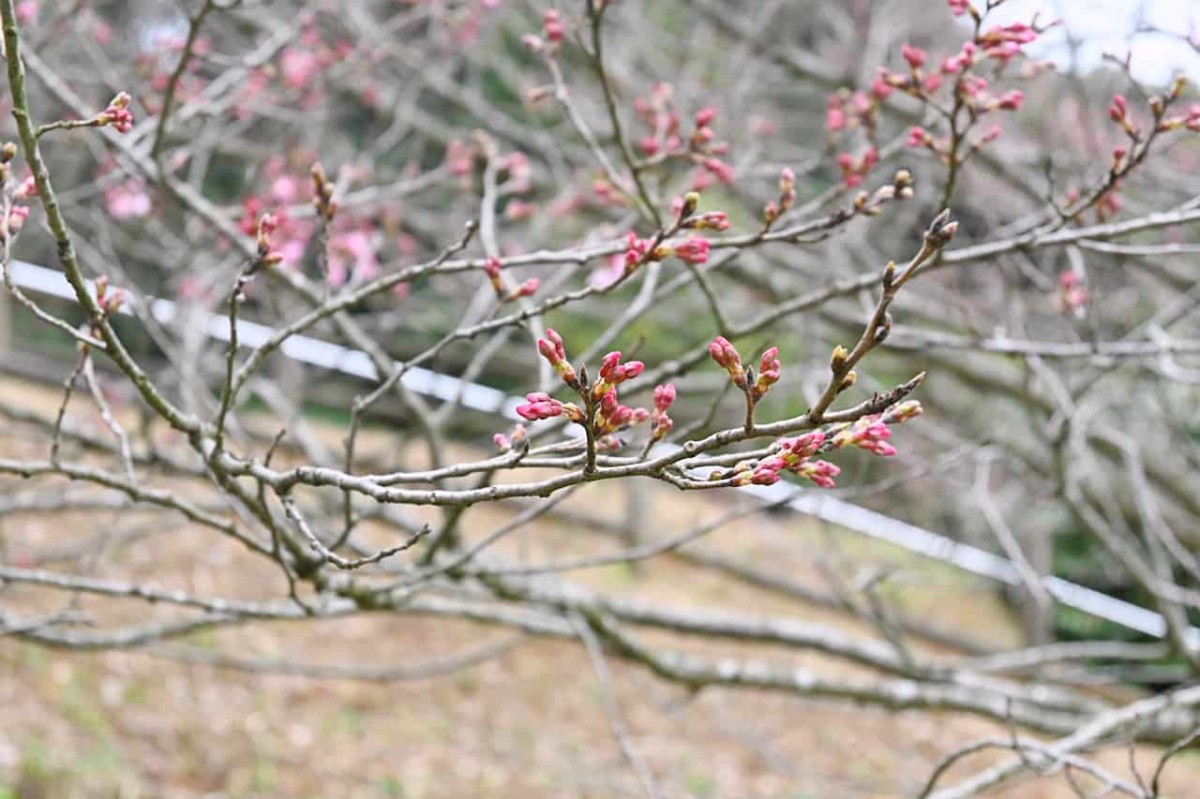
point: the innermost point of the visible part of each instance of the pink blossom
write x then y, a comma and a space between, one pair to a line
918, 136
27, 11
299, 67
958, 7
728, 358
352, 257
607, 273
127, 200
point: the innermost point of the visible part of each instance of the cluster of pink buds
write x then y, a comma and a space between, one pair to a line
612, 416
768, 374
870, 433
600, 399
504, 292
753, 385
553, 34
613, 373
117, 114
728, 358
660, 422
854, 169
692, 250
960, 7
553, 350
665, 140
787, 197
791, 455
798, 455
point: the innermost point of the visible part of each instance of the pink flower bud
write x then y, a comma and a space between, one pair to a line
1117, 109
539, 405
915, 56
663, 396
705, 116
693, 250
552, 26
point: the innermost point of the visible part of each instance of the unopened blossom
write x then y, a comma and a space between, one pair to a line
728, 358
819, 472
768, 373
660, 422
959, 7
915, 56
693, 250
705, 116
719, 169
835, 114
709, 220
918, 136
539, 405
118, 114
1011, 100
553, 350
552, 26
870, 433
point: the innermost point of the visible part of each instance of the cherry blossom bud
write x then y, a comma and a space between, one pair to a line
821, 473
915, 56
526, 289
664, 395
768, 373
539, 405
118, 114
709, 220
705, 116
692, 250
727, 357
552, 26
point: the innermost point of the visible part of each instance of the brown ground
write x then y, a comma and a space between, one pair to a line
530, 723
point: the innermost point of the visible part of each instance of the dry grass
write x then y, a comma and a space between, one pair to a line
529, 723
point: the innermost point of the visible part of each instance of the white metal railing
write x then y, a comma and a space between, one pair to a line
486, 399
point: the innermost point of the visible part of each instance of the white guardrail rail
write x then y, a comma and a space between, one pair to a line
485, 399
